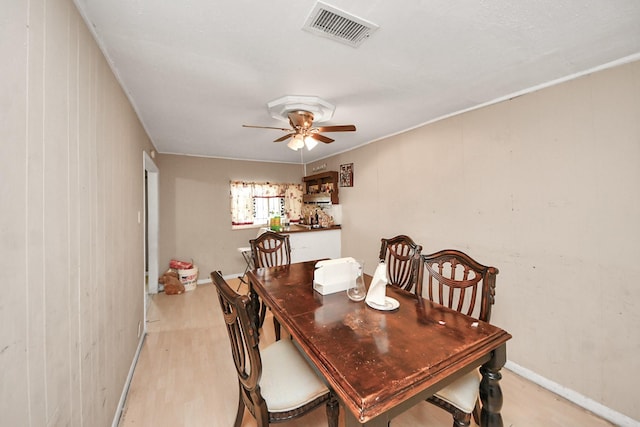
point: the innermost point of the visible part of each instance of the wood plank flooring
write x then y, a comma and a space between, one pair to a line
185, 378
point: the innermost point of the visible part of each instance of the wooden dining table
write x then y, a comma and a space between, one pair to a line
381, 363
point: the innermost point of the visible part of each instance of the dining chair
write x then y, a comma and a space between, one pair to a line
275, 383
401, 255
270, 249
455, 280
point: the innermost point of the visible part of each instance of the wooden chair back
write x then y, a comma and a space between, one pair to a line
453, 279
270, 250
239, 319
401, 255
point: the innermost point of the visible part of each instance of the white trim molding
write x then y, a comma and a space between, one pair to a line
583, 401
127, 383
152, 221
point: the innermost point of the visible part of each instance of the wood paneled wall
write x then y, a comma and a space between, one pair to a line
71, 247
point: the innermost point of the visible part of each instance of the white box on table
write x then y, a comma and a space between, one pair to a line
334, 275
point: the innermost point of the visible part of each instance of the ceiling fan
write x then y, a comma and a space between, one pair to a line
303, 132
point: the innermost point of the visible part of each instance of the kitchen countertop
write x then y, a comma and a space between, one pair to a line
295, 228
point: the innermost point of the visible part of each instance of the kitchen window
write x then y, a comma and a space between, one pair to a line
252, 203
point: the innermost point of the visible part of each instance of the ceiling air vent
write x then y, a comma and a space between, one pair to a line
336, 24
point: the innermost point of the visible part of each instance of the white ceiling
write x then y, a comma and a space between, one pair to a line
196, 70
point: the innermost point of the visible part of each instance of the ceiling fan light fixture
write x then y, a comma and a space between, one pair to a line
310, 142
296, 143
302, 130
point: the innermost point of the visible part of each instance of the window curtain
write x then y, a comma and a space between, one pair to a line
242, 195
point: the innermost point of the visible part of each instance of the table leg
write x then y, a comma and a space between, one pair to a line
490, 392
351, 421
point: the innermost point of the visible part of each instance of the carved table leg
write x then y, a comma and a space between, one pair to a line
490, 392
333, 411
351, 421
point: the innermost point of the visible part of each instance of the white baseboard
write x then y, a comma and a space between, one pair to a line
127, 383
589, 404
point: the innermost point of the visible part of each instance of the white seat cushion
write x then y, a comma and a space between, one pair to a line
288, 381
463, 392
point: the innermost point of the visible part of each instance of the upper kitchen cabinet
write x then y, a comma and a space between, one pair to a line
321, 188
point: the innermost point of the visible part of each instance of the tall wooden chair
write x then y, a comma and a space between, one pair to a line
401, 255
276, 383
270, 249
453, 279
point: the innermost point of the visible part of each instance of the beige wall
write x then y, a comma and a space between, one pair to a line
70, 244
195, 219
547, 188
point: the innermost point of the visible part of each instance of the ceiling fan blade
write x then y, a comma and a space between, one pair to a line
339, 128
322, 138
282, 138
266, 127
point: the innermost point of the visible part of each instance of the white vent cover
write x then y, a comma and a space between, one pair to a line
336, 24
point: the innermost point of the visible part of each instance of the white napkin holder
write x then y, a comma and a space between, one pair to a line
334, 275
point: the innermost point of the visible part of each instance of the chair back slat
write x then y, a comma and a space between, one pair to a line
401, 255
455, 280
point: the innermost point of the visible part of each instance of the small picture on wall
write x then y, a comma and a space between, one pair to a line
346, 175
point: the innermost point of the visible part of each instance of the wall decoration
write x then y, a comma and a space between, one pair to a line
346, 175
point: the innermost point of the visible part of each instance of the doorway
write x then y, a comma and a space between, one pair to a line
151, 228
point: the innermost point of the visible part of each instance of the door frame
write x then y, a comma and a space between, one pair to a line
152, 225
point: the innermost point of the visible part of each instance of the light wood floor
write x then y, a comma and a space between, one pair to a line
185, 377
